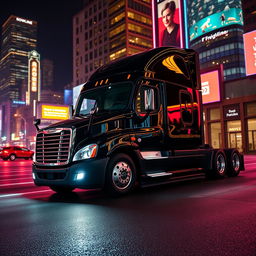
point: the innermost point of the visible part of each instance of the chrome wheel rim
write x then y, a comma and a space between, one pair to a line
121, 175
12, 157
236, 162
221, 164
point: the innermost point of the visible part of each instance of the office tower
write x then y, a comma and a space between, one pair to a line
19, 36
107, 30
47, 74
216, 33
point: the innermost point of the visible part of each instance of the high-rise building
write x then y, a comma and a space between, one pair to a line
216, 33
47, 72
107, 30
19, 36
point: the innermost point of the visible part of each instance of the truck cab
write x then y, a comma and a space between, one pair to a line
137, 121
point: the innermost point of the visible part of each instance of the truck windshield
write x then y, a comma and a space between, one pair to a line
108, 98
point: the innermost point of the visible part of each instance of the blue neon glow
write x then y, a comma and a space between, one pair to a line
185, 23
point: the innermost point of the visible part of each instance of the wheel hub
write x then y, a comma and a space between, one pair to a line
121, 175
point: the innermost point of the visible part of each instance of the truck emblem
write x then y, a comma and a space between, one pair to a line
170, 64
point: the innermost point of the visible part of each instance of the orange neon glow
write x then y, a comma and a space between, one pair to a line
250, 52
210, 86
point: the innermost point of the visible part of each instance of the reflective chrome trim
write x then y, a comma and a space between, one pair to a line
59, 147
149, 155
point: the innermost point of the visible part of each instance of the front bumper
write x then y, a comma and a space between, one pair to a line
93, 170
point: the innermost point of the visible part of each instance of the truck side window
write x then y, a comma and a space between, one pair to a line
146, 99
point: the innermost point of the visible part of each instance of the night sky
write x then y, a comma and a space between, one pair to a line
54, 19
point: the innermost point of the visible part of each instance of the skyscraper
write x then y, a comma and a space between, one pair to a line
19, 36
108, 30
47, 72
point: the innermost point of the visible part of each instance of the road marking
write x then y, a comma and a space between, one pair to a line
25, 193
20, 183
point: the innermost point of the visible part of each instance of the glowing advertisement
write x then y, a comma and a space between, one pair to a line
55, 112
167, 30
250, 52
34, 71
210, 86
216, 21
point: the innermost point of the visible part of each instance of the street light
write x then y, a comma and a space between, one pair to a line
25, 124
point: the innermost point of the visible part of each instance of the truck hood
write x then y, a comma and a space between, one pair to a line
75, 122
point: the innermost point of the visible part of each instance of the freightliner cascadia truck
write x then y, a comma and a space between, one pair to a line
137, 122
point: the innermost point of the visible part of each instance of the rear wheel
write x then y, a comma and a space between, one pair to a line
121, 175
12, 157
219, 164
234, 164
62, 189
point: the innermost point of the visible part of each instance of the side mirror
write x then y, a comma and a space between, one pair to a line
149, 99
37, 122
70, 111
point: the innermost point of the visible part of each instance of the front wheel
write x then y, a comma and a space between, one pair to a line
121, 175
12, 157
62, 189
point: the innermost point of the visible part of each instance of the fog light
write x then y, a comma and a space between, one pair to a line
34, 176
80, 176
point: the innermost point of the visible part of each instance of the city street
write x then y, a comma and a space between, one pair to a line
200, 217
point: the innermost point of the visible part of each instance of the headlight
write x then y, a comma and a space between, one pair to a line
86, 152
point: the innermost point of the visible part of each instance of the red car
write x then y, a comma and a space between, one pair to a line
13, 152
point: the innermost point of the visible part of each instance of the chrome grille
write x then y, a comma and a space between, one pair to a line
53, 146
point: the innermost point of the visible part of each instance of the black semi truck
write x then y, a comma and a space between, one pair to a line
137, 121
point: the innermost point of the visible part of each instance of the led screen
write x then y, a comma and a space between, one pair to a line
210, 86
208, 15
250, 52
167, 30
55, 112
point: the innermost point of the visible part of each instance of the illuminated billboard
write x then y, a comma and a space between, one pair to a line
216, 21
167, 26
210, 85
250, 52
207, 16
55, 112
33, 92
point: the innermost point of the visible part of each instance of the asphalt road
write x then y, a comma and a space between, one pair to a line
200, 217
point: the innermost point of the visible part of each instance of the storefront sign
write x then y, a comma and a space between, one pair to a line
250, 52
210, 86
232, 112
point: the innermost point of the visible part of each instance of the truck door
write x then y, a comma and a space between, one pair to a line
183, 127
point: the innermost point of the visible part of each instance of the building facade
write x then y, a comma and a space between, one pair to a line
19, 36
216, 33
107, 30
47, 74
249, 15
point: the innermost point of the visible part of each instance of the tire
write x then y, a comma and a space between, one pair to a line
219, 165
234, 164
12, 157
120, 175
62, 189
